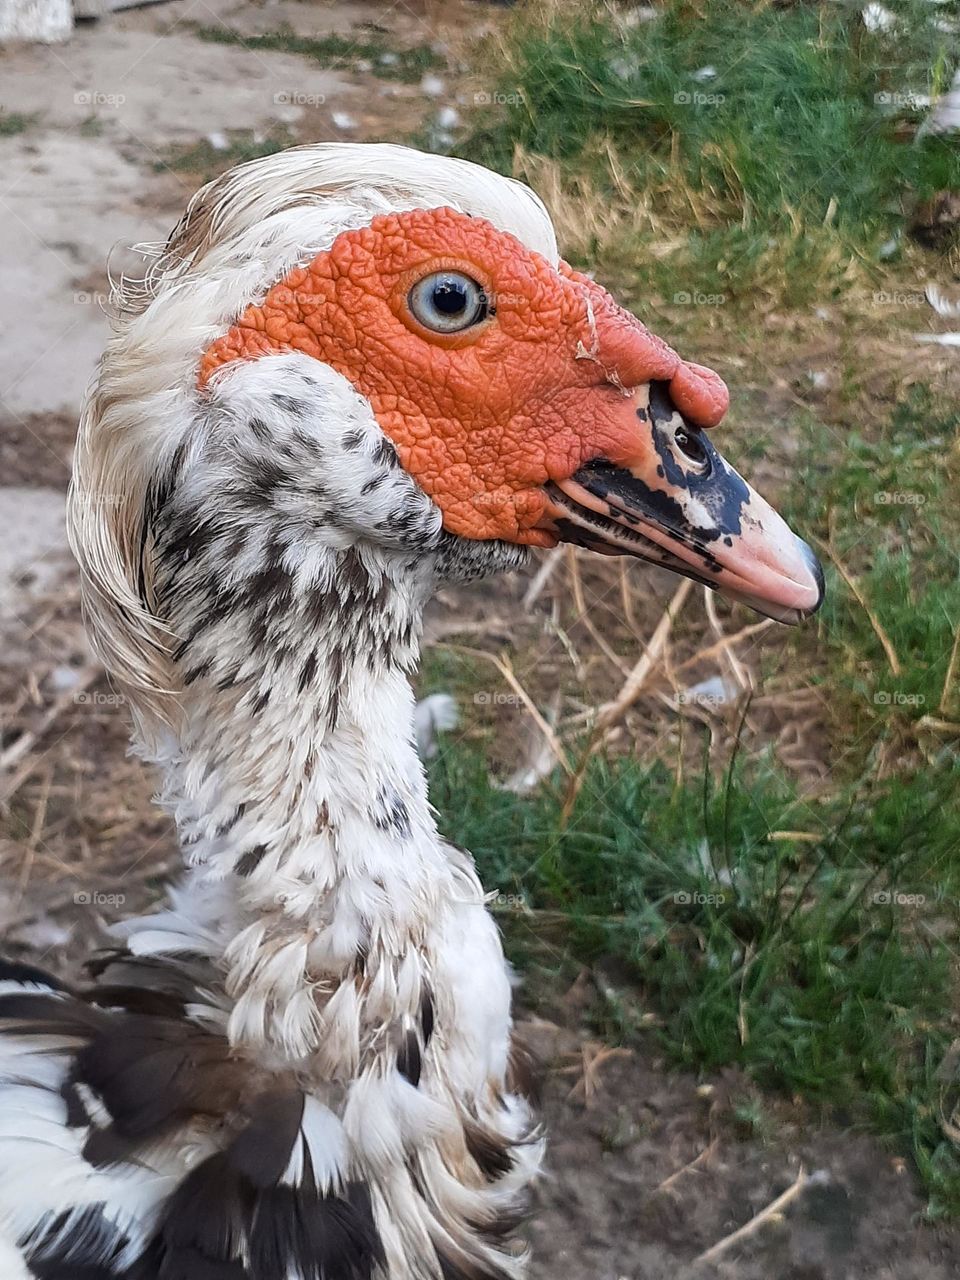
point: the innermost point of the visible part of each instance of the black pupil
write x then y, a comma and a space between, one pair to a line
450, 297
690, 445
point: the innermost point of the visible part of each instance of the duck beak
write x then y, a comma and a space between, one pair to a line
670, 498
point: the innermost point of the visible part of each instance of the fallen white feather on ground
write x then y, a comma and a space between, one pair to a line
938, 339
945, 116
432, 715
878, 18
941, 304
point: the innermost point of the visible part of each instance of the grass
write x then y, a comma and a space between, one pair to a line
824, 966
336, 52
822, 963
823, 969
883, 507
768, 155
14, 122
747, 145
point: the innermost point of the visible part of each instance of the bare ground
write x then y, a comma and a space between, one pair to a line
647, 1168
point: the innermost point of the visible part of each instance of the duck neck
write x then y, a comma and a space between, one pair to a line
292, 556
299, 797
281, 745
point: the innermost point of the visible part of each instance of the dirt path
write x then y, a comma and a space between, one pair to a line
90, 168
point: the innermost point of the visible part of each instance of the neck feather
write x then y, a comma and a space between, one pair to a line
281, 745
299, 796
293, 777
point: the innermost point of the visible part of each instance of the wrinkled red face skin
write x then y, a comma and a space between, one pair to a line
482, 419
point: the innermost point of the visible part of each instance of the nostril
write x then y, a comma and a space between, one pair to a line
684, 436
690, 444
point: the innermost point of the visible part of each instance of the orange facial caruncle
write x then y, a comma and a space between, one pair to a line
483, 418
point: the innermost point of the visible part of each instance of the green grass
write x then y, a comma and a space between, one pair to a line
823, 965
886, 505
13, 122
336, 52
781, 956
790, 160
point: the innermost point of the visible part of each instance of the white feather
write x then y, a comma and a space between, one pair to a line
321, 1136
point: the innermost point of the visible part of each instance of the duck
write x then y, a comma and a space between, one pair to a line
353, 372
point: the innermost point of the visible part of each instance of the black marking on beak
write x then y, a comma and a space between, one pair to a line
575, 531
718, 487
632, 501
676, 502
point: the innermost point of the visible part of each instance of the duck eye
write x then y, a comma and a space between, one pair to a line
448, 302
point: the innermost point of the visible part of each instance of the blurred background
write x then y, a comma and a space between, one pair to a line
724, 855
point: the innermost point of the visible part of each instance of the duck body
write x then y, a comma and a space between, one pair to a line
352, 373
312, 988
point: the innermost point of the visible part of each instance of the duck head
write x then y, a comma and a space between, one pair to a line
527, 404
363, 348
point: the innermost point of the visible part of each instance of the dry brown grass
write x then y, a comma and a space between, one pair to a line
80, 840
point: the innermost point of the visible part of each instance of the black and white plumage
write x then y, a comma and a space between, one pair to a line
301, 1067
240, 1095
291, 1071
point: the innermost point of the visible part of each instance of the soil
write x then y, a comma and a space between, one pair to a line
607, 1214
80, 842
